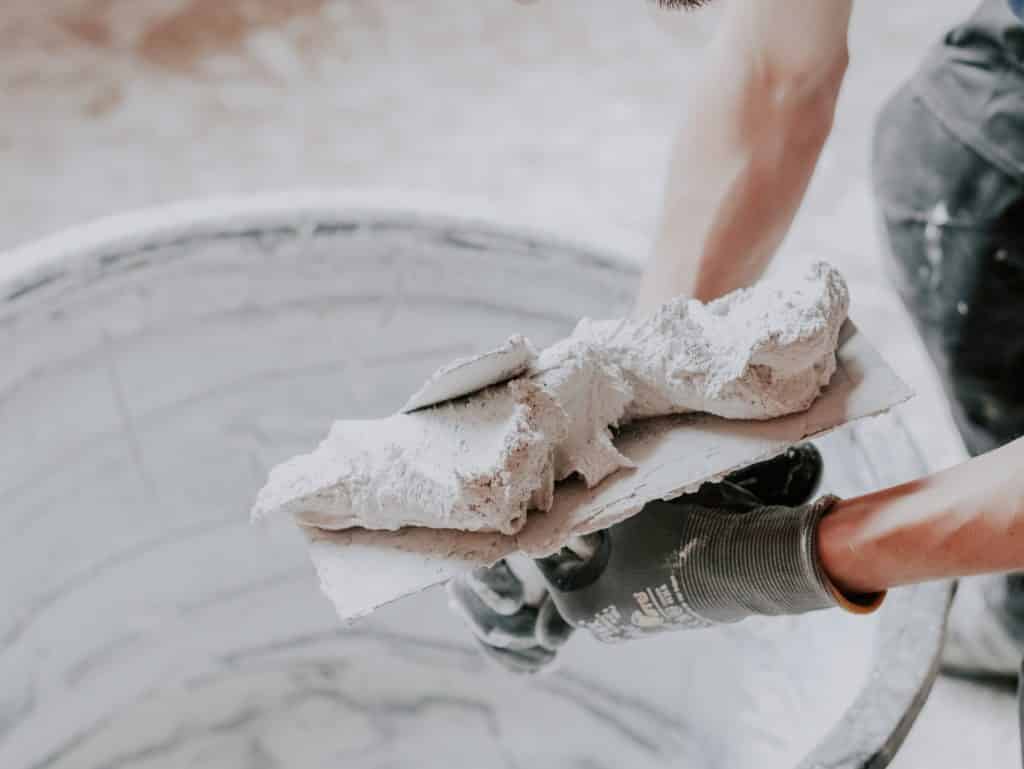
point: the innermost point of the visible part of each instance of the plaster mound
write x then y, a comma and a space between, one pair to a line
483, 461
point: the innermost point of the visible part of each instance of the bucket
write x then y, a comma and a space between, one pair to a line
156, 365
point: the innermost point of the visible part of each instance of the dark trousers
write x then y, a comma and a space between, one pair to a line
951, 206
948, 177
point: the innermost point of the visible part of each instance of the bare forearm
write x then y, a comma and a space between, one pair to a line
717, 240
966, 520
747, 149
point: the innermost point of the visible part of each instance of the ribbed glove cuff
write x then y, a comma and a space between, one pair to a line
765, 562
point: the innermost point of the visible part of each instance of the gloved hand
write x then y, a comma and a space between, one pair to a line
518, 633
716, 556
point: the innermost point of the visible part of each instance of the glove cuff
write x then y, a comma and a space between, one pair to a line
855, 603
772, 566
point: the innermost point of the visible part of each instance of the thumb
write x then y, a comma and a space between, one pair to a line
579, 563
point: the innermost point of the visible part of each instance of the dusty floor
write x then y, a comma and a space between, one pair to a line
558, 113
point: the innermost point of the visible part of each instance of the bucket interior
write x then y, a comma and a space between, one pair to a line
148, 385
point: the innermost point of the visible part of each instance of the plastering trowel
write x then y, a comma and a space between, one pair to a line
361, 570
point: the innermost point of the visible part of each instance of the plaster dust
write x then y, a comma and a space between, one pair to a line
482, 463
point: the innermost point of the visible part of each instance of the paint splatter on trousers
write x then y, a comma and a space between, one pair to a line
948, 175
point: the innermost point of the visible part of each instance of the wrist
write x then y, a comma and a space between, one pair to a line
865, 544
962, 521
841, 560
856, 591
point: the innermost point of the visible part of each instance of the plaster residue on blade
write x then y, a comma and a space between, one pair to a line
472, 547
469, 375
361, 570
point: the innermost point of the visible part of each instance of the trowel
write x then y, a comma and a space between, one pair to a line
361, 570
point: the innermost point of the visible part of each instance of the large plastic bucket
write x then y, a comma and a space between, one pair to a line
154, 366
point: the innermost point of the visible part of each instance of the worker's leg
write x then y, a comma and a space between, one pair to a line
948, 171
960, 274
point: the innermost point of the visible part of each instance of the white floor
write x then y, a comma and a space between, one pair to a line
558, 114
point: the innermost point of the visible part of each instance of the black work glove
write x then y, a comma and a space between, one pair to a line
712, 557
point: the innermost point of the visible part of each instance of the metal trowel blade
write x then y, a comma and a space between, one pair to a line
361, 570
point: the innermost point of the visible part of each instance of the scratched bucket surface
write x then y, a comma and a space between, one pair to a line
156, 365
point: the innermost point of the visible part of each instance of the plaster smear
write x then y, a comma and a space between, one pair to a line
482, 462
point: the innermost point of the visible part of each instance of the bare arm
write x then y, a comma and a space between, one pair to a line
760, 115
963, 521
745, 153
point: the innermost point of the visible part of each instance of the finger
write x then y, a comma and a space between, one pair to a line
552, 629
576, 564
534, 587
513, 631
523, 661
789, 479
584, 546
498, 587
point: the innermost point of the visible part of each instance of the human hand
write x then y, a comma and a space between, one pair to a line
712, 557
519, 631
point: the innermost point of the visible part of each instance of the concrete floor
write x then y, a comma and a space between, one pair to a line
557, 114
